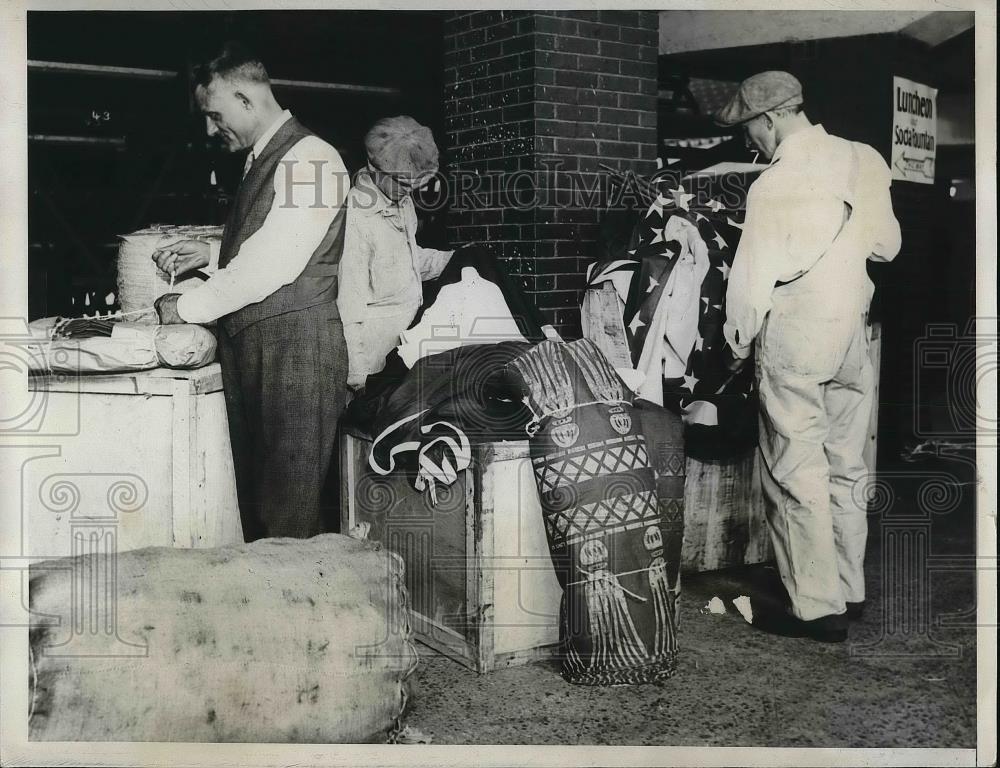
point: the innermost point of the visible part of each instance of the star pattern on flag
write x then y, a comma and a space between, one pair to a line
681, 198
705, 377
657, 205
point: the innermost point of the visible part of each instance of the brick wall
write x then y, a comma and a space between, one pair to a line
534, 101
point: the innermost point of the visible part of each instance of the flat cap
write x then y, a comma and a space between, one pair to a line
761, 93
401, 145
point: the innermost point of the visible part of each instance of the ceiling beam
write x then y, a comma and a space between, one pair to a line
940, 26
689, 31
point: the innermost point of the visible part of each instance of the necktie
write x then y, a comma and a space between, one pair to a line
249, 162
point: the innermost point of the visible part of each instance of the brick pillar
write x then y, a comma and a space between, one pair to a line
533, 102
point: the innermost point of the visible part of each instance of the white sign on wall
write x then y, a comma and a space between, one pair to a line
914, 131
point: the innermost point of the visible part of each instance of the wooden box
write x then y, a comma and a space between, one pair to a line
146, 462
481, 583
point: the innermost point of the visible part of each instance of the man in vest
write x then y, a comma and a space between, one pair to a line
799, 289
273, 292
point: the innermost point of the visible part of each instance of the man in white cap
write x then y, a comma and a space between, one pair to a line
800, 291
383, 267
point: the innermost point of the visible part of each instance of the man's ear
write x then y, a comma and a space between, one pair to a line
769, 120
244, 100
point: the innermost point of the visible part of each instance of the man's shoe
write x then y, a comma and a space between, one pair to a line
855, 610
825, 629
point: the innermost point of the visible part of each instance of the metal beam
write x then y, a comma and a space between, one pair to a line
45, 138
343, 87
103, 70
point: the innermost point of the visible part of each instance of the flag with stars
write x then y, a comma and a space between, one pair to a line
719, 408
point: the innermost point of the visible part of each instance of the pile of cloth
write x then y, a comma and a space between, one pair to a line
671, 281
609, 467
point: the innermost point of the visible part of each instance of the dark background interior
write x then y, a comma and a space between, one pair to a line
150, 161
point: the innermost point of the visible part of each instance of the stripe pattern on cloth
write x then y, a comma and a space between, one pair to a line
614, 546
718, 407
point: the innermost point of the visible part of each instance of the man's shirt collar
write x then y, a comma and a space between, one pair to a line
266, 137
375, 200
798, 140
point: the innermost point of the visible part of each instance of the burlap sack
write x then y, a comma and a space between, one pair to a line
282, 640
184, 346
131, 347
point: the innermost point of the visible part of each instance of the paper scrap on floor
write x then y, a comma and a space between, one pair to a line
742, 604
716, 606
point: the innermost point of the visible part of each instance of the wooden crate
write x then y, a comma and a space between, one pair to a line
148, 465
724, 523
481, 583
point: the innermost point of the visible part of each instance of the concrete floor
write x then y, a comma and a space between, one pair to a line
737, 686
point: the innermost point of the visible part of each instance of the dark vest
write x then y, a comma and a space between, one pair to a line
318, 282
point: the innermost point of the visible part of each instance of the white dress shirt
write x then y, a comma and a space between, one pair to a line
795, 211
275, 254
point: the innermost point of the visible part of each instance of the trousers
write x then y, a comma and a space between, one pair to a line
285, 383
816, 384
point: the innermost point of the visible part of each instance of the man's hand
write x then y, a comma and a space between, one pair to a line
166, 308
182, 256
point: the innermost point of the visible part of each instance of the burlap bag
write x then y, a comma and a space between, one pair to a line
282, 640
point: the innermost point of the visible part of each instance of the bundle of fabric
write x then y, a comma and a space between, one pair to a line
673, 286
140, 281
89, 345
425, 427
611, 482
490, 309
282, 640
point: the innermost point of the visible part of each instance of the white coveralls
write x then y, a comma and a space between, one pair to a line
800, 287
381, 275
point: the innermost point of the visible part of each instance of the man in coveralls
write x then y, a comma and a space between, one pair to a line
799, 288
